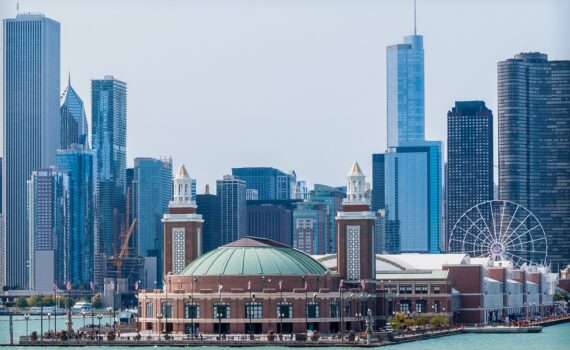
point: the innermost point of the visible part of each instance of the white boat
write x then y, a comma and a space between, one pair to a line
82, 306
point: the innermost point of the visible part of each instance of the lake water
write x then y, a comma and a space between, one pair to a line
551, 338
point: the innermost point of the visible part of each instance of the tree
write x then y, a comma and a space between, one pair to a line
96, 301
22, 302
421, 321
561, 296
49, 300
397, 321
438, 321
35, 300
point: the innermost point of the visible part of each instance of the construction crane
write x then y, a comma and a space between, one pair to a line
124, 253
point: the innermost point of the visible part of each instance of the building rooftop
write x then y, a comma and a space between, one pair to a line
416, 275
254, 256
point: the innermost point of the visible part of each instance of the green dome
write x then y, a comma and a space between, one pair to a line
254, 256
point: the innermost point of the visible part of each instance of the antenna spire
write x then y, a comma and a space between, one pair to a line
17, 7
69, 78
414, 17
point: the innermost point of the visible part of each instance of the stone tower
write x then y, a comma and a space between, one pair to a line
182, 227
355, 231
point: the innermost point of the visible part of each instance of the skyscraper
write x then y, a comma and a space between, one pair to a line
152, 182
79, 166
405, 91
378, 182
534, 144
413, 193
48, 209
231, 191
331, 198
309, 224
209, 207
270, 221
31, 125
270, 183
469, 159
109, 139
74, 127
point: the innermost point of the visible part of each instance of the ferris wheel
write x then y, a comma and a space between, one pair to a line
500, 230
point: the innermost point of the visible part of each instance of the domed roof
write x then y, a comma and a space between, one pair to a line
254, 256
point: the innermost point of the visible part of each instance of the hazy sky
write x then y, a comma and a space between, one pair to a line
286, 83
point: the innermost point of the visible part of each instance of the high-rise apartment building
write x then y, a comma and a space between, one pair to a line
109, 139
233, 208
209, 207
48, 209
152, 182
405, 91
534, 144
270, 183
309, 224
81, 242
31, 126
469, 160
74, 127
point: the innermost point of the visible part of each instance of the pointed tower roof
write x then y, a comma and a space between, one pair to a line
355, 170
182, 172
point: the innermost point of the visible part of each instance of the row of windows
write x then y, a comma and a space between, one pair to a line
253, 310
420, 306
407, 288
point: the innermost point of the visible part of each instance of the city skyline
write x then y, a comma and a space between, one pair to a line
355, 91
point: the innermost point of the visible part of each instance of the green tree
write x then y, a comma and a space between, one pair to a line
49, 300
35, 300
421, 321
397, 321
438, 321
22, 302
561, 296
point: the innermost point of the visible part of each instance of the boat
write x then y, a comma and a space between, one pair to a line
503, 329
82, 306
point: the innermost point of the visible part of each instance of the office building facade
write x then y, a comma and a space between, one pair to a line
270, 183
209, 207
331, 198
270, 221
152, 182
109, 139
48, 223
309, 225
534, 144
413, 198
469, 175
233, 208
31, 126
79, 166
74, 127
405, 91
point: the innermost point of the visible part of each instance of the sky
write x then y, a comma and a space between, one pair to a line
291, 84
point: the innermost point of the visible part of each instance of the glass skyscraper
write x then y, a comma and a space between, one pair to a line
534, 144
48, 223
74, 127
79, 165
309, 223
233, 208
31, 126
270, 183
405, 91
152, 182
109, 139
332, 199
413, 200
209, 207
469, 160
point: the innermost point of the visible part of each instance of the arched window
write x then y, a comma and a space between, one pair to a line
149, 310
166, 309
312, 309
221, 310
285, 310
253, 310
191, 310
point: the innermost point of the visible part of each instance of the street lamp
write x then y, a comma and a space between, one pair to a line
159, 322
219, 315
83, 313
49, 322
27, 317
99, 317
